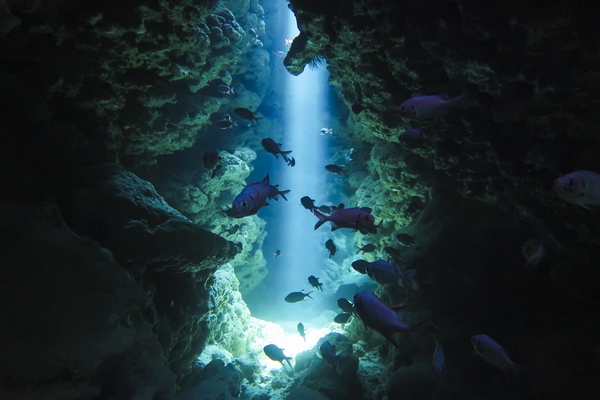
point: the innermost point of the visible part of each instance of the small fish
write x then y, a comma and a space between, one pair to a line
295, 297
336, 169
360, 266
325, 209
307, 203
274, 148
405, 239
415, 138
210, 159
354, 218
375, 314
580, 187
226, 89
328, 353
277, 253
276, 354
413, 207
423, 107
392, 252
438, 363
279, 53
493, 353
534, 251
288, 42
329, 245
326, 131
231, 230
367, 248
345, 305
314, 282
225, 123
301, 331
342, 318
251, 199
246, 114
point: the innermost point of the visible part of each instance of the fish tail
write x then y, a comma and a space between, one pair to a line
308, 294
285, 157
322, 218
283, 193
459, 98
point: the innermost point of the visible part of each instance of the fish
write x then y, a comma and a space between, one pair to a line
246, 114
336, 169
342, 318
325, 209
210, 159
367, 248
276, 354
307, 203
225, 122
295, 297
360, 266
345, 305
386, 273
579, 187
251, 199
279, 53
274, 148
277, 253
326, 131
329, 245
413, 207
288, 42
375, 314
493, 353
355, 218
274, 192
231, 230
392, 252
314, 282
300, 327
438, 363
423, 107
415, 138
226, 89
534, 251
328, 353
405, 239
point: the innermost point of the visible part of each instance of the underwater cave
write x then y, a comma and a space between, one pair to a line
272, 199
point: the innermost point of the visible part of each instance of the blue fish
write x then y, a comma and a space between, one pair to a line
423, 107
251, 199
375, 314
386, 273
328, 353
439, 359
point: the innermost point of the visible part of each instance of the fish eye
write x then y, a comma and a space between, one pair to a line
570, 182
244, 204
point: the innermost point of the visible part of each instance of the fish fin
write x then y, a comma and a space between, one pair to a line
308, 294
334, 228
266, 179
367, 209
322, 219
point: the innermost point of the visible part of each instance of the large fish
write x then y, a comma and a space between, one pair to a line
275, 148
375, 314
493, 353
414, 138
580, 187
328, 353
295, 297
423, 107
354, 218
386, 273
251, 199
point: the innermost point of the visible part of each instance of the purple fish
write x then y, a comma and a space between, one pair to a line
251, 199
386, 273
493, 353
354, 218
423, 107
375, 314
415, 138
580, 187
328, 353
